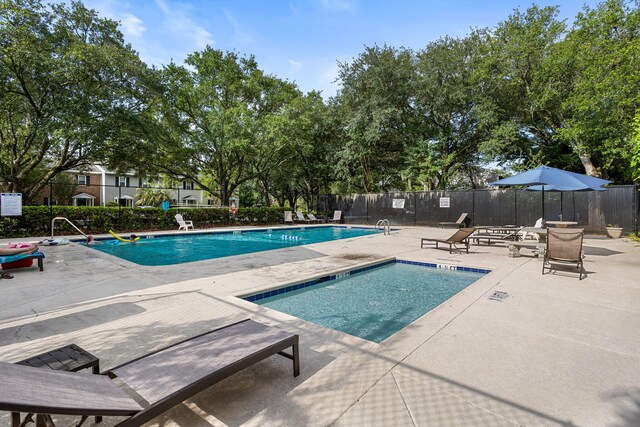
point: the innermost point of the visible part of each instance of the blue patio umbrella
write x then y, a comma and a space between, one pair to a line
553, 178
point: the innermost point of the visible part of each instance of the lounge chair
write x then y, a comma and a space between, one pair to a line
300, 217
459, 237
288, 217
564, 247
182, 223
312, 218
504, 235
162, 379
337, 217
532, 235
461, 222
18, 257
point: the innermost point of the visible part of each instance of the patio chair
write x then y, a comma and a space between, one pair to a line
459, 237
564, 247
506, 235
337, 217
8, 260
162, 379
532, 235
300, 217
312, 218
461, 222
182, 223
288, 217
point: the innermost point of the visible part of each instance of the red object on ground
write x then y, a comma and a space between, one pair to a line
27, 262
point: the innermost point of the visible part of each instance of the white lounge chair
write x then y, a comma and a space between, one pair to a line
182, 223
300, 217
288, 217
312, 218
531, 235
337, 216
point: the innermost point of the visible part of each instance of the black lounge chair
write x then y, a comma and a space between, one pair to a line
461, 222
459, 237
38, 256
161, 379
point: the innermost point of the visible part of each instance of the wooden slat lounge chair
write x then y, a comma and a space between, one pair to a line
564, 247
459, 237
162, 379
459, 223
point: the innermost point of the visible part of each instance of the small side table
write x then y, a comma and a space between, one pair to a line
70, 358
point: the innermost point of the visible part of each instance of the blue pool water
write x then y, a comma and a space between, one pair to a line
177, 249
373, 304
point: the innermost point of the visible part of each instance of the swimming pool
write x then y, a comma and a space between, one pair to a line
181, 248
372, 302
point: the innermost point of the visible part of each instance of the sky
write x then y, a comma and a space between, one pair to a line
301, 40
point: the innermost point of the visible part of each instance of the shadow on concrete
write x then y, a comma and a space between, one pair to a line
629, 407
68, 323
485, 401
591, 250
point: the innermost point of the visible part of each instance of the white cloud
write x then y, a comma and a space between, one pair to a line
295, 65
163, 6
182, 26
131, 25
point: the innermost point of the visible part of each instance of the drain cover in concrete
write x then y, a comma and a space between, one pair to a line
498, 295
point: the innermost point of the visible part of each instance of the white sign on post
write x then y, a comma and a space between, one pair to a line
11, 204
398, 203
445, 202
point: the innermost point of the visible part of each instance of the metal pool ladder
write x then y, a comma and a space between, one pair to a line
383, 224
66, 219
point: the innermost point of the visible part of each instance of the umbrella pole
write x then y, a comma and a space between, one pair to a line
561, 206
543, 203
515, 207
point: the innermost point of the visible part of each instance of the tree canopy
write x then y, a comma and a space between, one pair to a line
531, 90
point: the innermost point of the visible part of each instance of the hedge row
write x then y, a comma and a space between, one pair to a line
36, 220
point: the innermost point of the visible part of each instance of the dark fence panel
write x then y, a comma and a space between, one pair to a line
593, 210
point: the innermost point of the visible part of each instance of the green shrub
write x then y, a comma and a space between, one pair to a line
36, 220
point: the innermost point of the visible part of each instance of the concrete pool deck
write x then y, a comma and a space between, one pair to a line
557, 351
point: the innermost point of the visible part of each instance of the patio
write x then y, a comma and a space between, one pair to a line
557, 351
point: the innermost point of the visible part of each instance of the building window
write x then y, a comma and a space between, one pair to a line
83, 180
144, 183
188, 185
122, 181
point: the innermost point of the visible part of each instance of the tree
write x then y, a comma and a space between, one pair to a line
603, 49
151, 196
520, 90
446, 96
376, 102
212, 114
71, 92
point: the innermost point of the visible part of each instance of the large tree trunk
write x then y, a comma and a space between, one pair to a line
589, 168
